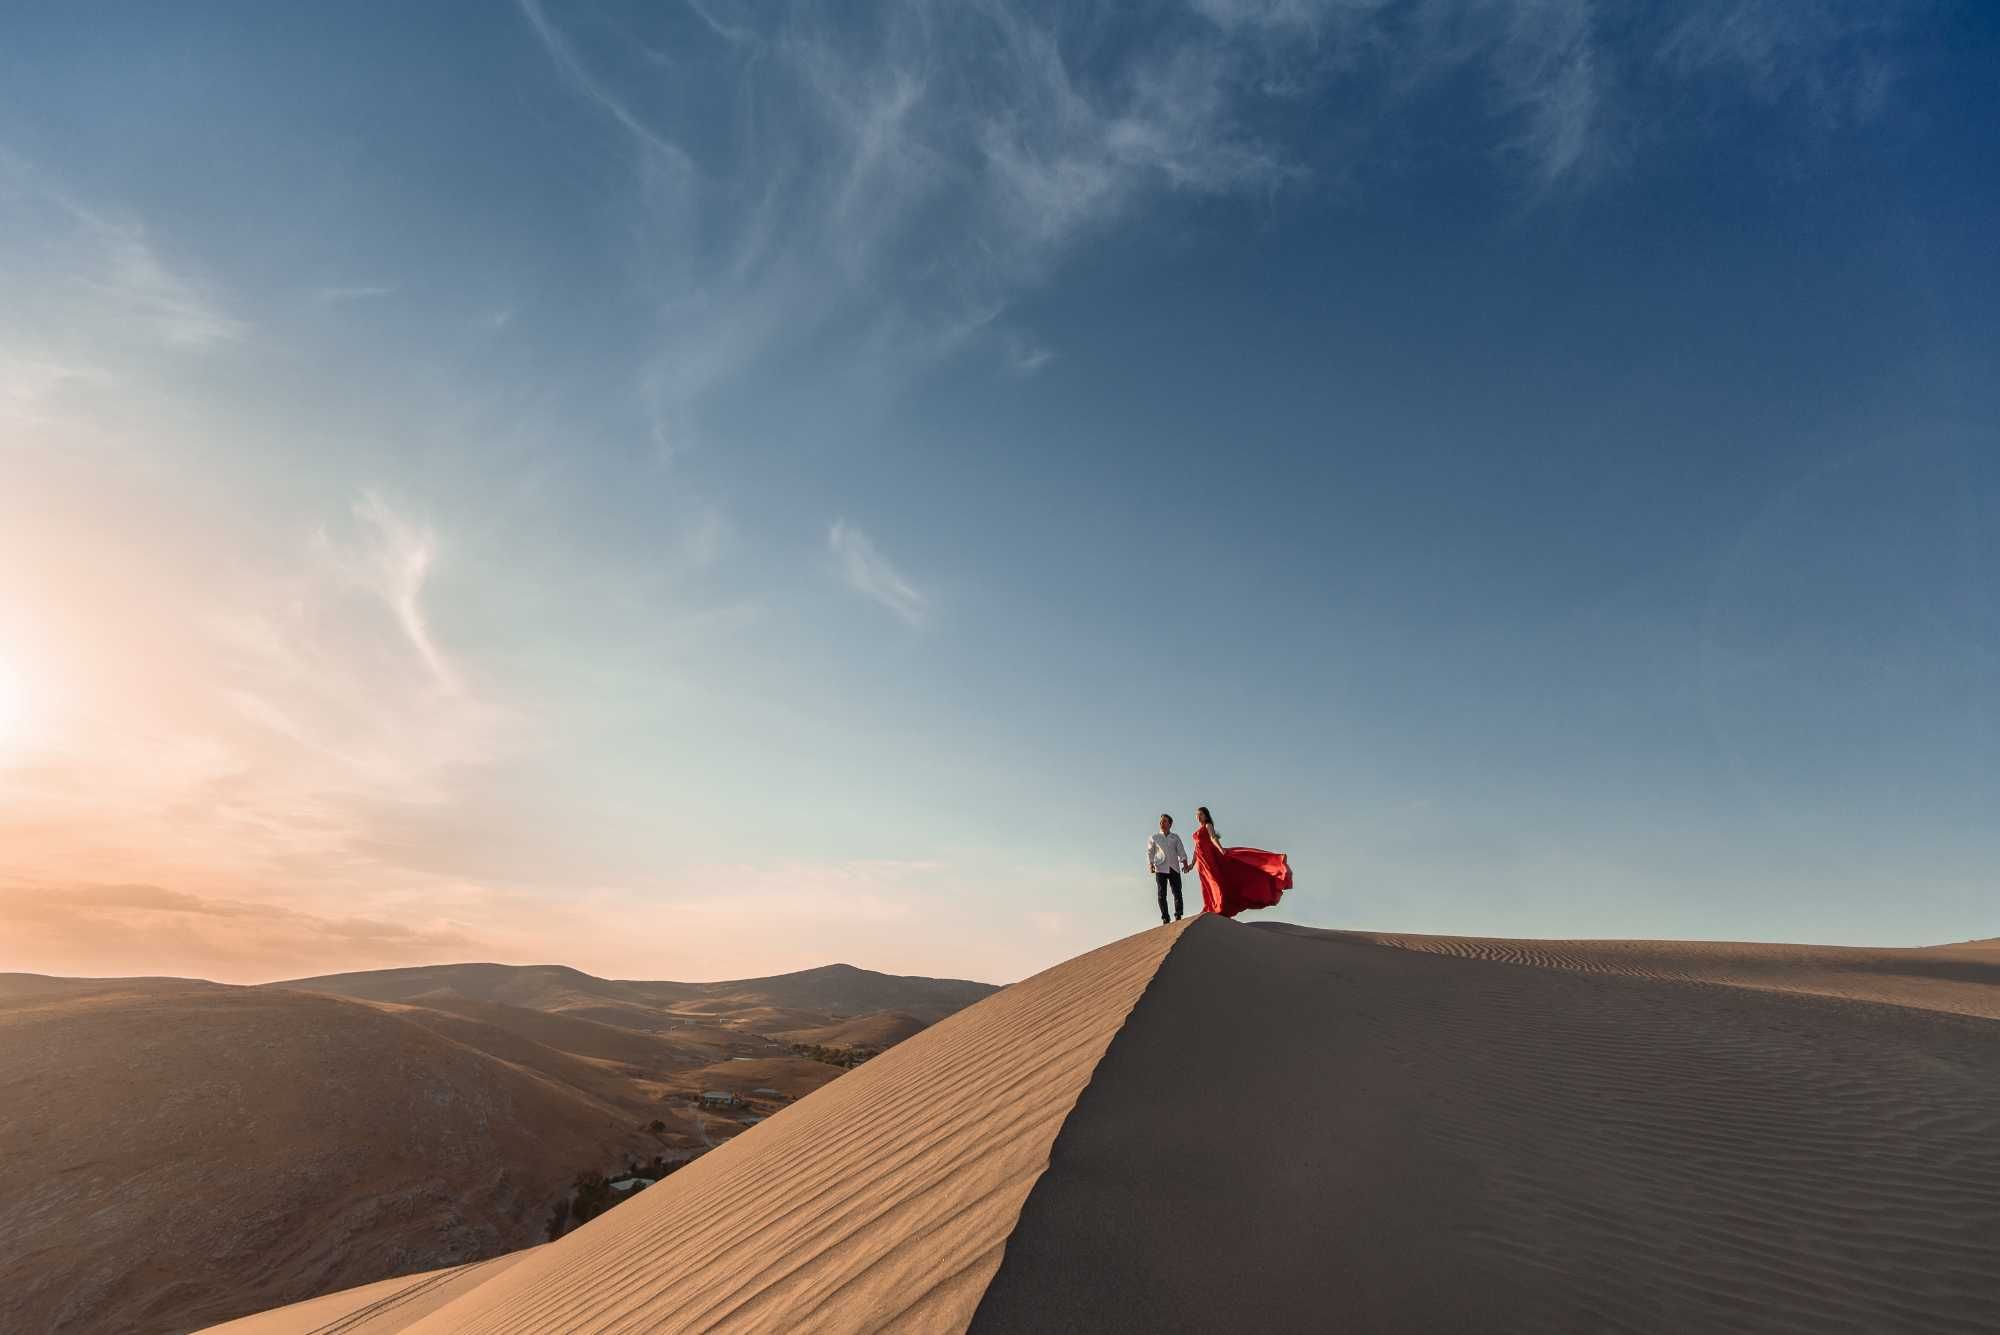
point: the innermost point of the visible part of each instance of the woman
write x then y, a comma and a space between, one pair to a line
1234, 879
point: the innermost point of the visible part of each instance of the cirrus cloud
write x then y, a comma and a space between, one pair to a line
872, 575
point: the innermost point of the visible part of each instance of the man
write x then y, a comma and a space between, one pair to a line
1166, 858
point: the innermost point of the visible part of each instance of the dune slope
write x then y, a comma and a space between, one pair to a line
1385, 1140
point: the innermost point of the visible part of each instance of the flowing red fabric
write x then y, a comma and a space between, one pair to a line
1234, 879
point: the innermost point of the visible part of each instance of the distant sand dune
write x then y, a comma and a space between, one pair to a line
1221, 1127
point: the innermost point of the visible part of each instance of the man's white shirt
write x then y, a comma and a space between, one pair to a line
1165, 852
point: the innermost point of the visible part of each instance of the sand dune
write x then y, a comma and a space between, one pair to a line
1216, 1126
1575, 1148
179, 1153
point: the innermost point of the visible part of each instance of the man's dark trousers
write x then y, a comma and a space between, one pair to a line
1165, 879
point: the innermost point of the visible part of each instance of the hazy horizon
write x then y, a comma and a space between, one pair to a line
699, 492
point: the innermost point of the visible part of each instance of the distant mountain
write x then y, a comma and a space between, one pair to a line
843, 990
175, 1152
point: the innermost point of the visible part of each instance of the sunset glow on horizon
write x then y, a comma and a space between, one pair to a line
688, 496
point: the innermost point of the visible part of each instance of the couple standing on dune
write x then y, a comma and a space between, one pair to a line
1232, 879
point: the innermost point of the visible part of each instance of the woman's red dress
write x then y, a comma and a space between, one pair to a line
1235, 879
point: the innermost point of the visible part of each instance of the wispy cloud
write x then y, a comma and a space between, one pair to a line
1549, 73
557, 44
393, 563
870, 574
728, 32
1836, 57
339, 295
101, 265
136, 280
1061, 157
866, 178
866, 189
31, 384
1025, 356
1577, 87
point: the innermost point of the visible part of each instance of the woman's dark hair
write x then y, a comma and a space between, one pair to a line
1201, 814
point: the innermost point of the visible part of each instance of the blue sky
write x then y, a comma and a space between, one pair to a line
693, 490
